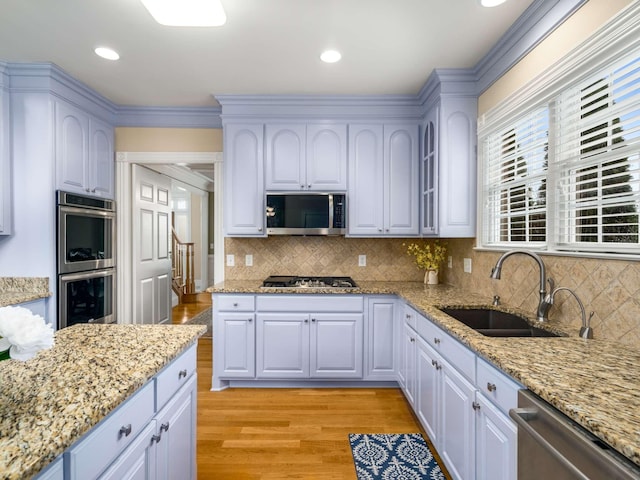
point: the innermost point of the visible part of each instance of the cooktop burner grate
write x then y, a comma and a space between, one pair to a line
276, 281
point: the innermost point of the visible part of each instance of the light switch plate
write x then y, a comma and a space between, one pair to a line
231, 260
248, 260
467, 265
362, 260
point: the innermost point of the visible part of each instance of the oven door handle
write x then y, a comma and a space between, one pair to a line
88, 274
522, 416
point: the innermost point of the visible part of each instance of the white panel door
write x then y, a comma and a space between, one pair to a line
496, 443
72, 148
284, 159
428, 389
237, 345
336, 345
366, 177
457, 445
151, 253
327, 157
282, 346
401, 164
380, 341
101, 159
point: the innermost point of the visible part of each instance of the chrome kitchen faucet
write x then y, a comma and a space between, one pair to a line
543, 305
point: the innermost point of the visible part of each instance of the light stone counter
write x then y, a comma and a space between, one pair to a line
50, 401
594, 382
14, 290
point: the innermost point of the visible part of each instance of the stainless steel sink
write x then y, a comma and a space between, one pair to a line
493, 323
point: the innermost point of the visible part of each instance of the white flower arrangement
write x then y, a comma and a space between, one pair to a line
23, 332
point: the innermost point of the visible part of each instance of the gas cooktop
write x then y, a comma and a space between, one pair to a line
308, 282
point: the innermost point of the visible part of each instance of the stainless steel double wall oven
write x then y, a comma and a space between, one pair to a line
86, 259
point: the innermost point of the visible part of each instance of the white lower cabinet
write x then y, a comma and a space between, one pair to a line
309, 345
496, 440
235, 356
457, 433
380, 339
463, 409
152, 436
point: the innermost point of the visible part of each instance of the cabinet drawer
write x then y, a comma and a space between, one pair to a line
410, 316
175, 376
497, 387
110, 437
238, 303
463, 359
310, 303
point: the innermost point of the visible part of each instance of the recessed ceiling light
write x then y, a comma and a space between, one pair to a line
107, 53
330, 56
491, 3
187, 13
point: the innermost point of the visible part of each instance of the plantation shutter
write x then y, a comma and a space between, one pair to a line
515, 159
597, 161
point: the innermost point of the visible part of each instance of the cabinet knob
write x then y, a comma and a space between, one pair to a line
235, 304
491, 387
476, 406
302, 187
313, 319
93, 190
156, 438
309, 186
306, 320
412, 339
124, 430
379, 229
182, 373
408, 315
260, 229
250, 320
436, 340
436, 364
164, 427
386, 230
87, 190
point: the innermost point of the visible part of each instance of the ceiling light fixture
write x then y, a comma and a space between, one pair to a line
491, 3
187, 13
330, 56
107, 53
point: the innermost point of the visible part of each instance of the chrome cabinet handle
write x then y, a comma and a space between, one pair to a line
163, 428
182, 373
124, 430
436, 364
412, 339
476, 406
491, 387
436, 340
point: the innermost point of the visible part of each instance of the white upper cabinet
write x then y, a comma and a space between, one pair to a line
5, 162
84, 152
306, 157
449, 168
326, 157
244, 180
383, 180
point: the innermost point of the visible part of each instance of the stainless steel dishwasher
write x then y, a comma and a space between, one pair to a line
552, 446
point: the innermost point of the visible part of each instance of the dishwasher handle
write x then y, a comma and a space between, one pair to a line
522, 416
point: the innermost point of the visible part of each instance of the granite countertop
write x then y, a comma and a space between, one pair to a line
50, 401
14, 290
594, 382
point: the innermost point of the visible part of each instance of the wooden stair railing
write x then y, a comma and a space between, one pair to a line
182, 267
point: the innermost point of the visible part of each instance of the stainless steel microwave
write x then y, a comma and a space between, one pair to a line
306, 213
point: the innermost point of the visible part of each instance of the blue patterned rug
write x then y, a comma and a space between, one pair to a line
393, 456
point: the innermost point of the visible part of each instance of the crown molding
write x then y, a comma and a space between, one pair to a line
169, 117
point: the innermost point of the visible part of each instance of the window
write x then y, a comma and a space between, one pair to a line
563, 172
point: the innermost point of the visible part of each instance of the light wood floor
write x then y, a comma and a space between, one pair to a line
269, 434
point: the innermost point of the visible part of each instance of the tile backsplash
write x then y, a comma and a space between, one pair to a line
284, 255
610, 288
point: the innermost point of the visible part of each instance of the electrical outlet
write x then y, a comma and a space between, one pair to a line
362, 260
231, 260
467, 265
450, 262
211, 246
248, 260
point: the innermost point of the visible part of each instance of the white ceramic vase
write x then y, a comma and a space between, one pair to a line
431, 277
